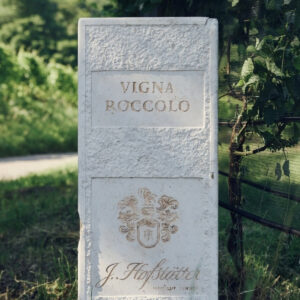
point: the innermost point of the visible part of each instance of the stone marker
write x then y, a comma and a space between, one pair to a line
148, 158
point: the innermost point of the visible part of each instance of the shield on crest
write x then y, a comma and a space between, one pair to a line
148, 233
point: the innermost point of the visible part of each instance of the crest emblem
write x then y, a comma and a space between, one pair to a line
147, 218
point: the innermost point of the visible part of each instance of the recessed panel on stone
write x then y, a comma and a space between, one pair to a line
149, 226
147, 147
147, 99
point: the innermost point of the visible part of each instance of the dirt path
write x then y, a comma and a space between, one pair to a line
15, 167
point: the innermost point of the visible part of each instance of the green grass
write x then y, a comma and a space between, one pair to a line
39, 236
271, 262
271, 257
261, 168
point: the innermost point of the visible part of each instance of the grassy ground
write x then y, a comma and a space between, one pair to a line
39, 236
271, 258
271, 262
266, 169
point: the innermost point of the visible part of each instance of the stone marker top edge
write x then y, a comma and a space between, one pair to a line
147, 21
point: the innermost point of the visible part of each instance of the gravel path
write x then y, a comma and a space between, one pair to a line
15, 167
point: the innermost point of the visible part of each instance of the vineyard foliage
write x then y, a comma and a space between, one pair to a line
38, 104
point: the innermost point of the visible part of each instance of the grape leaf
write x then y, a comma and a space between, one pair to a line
247, 69
278, 171
286, 168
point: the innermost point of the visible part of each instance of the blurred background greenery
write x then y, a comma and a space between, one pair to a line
38, 67
38, 114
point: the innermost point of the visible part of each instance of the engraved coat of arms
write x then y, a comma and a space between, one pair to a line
148, 218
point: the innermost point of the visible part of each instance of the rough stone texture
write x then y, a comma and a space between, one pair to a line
147, 44
156, 152
151, 47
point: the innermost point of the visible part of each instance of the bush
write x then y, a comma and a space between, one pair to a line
38, 102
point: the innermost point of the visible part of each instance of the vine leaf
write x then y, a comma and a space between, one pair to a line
286, 168
247, 69
271, 66
278, 171
235, 2
297, 63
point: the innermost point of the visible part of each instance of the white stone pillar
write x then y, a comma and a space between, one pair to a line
148, 175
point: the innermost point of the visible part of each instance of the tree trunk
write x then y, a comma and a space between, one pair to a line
235, 240
228, 51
